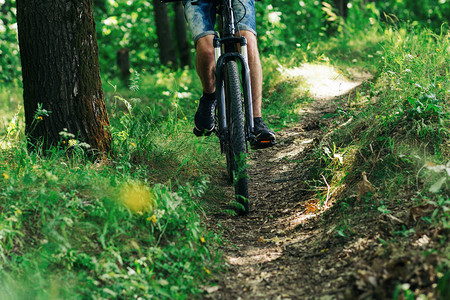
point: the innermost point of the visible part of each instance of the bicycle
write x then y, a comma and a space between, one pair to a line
234, 111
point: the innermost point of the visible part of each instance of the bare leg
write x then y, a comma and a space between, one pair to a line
256, 77
264, 137
205, 63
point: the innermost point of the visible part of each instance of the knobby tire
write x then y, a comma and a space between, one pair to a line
237, 151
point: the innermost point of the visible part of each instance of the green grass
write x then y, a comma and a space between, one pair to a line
397, 130
128, 226
73, 229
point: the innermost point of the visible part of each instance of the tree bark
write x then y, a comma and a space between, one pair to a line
182, 36
342, 8
60, 68
167, 53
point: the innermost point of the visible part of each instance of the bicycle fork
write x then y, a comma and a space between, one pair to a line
221, 60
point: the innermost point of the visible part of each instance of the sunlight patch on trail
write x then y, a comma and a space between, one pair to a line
324, 81
255, 256
293, 151
296, 219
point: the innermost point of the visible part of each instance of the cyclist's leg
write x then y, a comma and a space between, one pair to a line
254, 63
201, 20
264, 136
205, 63
245, 13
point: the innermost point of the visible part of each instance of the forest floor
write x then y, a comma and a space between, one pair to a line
288, 247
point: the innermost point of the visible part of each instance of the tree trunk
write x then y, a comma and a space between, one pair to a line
167, 54
123, 63
342, 8
60, 68
182, 36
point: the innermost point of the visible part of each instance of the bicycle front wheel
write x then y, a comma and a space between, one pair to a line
237, 151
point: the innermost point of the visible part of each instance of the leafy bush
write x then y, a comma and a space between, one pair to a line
433, 13
286, 25
127, 24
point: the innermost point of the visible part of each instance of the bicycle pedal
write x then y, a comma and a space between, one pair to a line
261, 144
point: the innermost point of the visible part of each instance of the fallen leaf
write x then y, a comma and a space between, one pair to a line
422, 241
312, 207
364, 187
211, 289
372, 280
430, 164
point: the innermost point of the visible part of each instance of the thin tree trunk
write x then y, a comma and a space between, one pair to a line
60, 68
167, 53
342, 8
123, 63
182, 36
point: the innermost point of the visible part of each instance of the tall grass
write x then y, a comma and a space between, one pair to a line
125, 227
396, 129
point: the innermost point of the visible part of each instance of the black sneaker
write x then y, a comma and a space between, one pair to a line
204, 117
264, 137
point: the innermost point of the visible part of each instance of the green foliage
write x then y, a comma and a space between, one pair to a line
280, 22
283, 27
68, 232
9, 48
127, 24
409, 119
409, 103
153, 125
431, 12
416, 72
288, 25
65, 230
395, 127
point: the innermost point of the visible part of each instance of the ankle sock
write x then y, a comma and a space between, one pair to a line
209, 97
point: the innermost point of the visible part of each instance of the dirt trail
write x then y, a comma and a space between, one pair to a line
283, 250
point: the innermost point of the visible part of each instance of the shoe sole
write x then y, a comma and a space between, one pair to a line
205, 132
